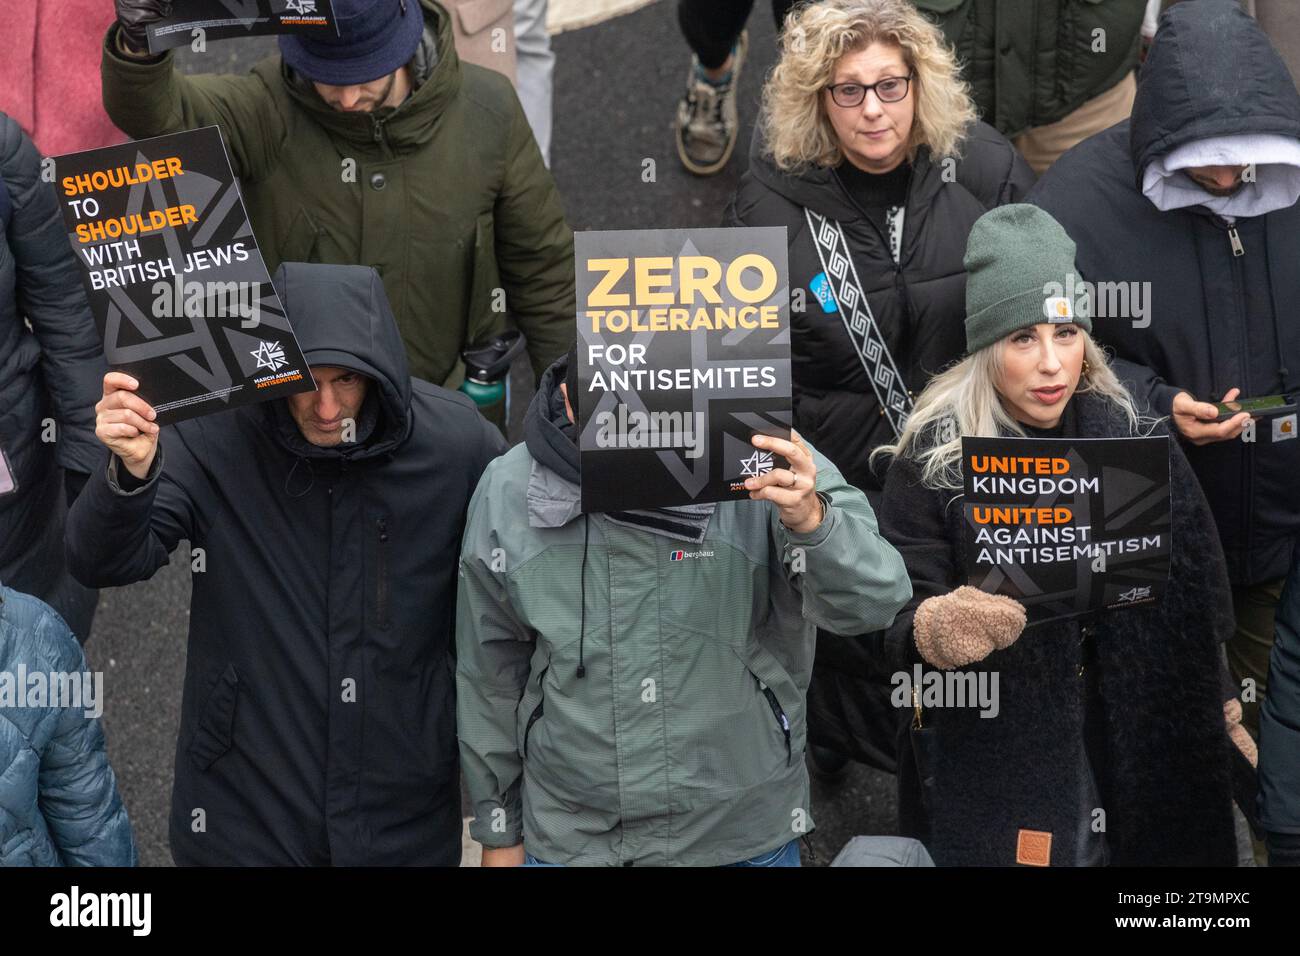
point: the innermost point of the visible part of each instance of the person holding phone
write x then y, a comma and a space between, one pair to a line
1186, 218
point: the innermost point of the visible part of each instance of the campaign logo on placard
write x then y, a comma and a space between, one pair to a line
301, 6
1133, 595
759, 463
269, 356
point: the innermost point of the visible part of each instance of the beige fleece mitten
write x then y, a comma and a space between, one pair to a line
966, 625
1237, 733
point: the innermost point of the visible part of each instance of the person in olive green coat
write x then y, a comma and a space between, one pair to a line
1046, 74
380, 148
630, 685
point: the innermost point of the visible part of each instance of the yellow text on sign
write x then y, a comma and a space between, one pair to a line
696, 276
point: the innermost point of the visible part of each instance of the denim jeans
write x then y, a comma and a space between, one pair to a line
787, 855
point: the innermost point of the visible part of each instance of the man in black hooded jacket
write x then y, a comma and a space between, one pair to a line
318, 720
1186, 220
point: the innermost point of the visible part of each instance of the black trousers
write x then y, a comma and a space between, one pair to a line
712, 26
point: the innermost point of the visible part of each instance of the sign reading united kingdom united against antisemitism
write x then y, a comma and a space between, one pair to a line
1067, 526
227, 19
683, 356
176, 283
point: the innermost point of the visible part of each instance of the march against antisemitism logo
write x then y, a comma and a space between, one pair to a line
759, 463
1133, 595
269, 356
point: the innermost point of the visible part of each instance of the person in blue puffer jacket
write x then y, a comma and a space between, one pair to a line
59, 802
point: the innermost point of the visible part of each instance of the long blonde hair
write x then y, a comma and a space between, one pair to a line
964, 401
796, 130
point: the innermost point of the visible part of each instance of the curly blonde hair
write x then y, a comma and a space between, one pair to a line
796, 129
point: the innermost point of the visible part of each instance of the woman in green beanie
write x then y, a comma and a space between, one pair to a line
1107, 742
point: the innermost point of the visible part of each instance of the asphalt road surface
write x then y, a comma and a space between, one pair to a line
616, 85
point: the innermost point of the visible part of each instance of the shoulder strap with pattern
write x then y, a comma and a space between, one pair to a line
868, 341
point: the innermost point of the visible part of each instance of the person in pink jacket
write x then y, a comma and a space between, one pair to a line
49, 73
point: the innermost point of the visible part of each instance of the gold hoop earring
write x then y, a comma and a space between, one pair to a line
1087, 367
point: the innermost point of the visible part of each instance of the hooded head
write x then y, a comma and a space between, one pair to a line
1214, 93
342, 320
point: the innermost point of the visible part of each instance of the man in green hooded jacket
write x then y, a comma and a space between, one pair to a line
379, 147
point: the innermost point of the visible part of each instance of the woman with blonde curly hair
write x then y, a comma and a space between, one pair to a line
869, 153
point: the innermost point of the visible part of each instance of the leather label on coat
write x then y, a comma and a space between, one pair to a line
1034, 848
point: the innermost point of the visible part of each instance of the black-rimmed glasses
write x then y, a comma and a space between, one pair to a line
891, 89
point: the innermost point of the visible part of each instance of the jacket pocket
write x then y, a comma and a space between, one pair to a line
536, 713
215, 730
301, 241
780, 697
487, 304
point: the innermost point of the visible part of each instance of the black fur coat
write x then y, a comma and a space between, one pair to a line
1145, 779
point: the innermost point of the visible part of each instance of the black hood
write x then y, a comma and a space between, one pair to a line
550, 436
341, 317
1211, 72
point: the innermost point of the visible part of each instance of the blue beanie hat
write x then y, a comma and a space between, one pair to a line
375, 38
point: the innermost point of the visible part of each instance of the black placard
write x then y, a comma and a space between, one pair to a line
684, 355
175, 279
1067, 526
230, 19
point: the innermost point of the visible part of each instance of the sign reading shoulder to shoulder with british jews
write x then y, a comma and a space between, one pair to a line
176, 283
683, 356
1066, 526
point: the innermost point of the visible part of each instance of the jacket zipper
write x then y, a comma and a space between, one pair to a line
1234, 240
536, 715
382, 565
1247, 457
781, 718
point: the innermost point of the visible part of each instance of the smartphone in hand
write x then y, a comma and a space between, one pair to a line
1268, 406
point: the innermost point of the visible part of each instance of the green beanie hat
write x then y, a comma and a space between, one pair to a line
1019, 272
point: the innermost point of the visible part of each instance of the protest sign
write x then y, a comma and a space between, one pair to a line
228, 19
684, 355
1067, 526
176, 283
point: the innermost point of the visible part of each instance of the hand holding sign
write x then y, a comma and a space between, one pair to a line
965, 626
124, 422
793, 490
135, 16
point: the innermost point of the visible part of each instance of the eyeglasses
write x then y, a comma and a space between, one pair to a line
889, 90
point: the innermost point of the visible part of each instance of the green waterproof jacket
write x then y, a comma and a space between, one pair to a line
445, 195
1033, 62
683, 744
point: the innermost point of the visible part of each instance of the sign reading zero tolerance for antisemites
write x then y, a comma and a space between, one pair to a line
683, 356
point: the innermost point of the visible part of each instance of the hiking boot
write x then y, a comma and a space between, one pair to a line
707, 122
